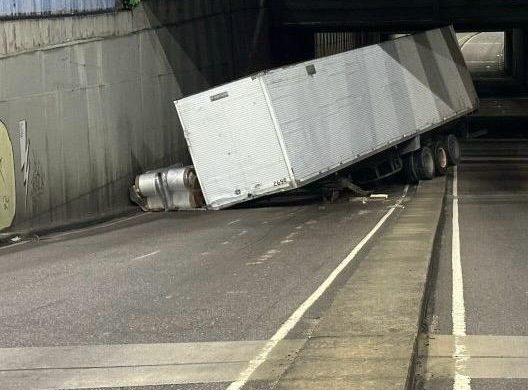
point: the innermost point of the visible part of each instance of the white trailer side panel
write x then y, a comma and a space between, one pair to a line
286, 127
233, 143
364, 100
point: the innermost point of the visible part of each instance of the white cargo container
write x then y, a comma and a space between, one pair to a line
284, 128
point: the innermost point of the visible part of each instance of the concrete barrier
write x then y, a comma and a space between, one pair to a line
87, 100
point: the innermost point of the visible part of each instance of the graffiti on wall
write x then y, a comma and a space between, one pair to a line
24, 155
7, 180
37, 181
32, 171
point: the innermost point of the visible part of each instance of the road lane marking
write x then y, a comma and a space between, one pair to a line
74, 367
147, 255
483, 346
458, 312
479, 368
233, 222
290, 323
291, 235
492, 357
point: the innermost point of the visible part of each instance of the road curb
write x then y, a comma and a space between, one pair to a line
10, 237
429, 287
368, 337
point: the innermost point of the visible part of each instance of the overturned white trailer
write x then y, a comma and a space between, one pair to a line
282, 129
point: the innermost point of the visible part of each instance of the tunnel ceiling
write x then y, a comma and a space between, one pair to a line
401, 14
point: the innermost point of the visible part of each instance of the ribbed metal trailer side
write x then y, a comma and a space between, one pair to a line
360, 101
232, 138
284, 128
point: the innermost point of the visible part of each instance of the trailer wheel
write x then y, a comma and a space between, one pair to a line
424, 163
452, 147
409, 171
440, 159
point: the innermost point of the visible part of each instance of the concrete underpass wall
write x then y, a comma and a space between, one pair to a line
95, 95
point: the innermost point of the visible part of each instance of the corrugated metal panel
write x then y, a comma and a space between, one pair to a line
19, 8
5, 8
330, 43
360, 101
317, 117
232, 138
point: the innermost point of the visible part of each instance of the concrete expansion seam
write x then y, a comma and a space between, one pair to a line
439, 223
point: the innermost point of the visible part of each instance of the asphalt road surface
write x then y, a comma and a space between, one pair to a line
90, 308
489, 296
122, 303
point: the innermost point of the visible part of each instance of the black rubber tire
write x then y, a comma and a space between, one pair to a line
440, 158
408, 170
452, 147
424, 163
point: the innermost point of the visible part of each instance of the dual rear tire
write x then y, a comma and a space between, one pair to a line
425, 163
452, 148
441, 159
430, 161
419, 165
409, 169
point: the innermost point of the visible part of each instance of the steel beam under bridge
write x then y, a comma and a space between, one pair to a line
401, 14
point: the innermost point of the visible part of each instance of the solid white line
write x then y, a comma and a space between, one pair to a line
458, 313
478, 346
290, 323
147, 255
126, 365
458, 310
129, 355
